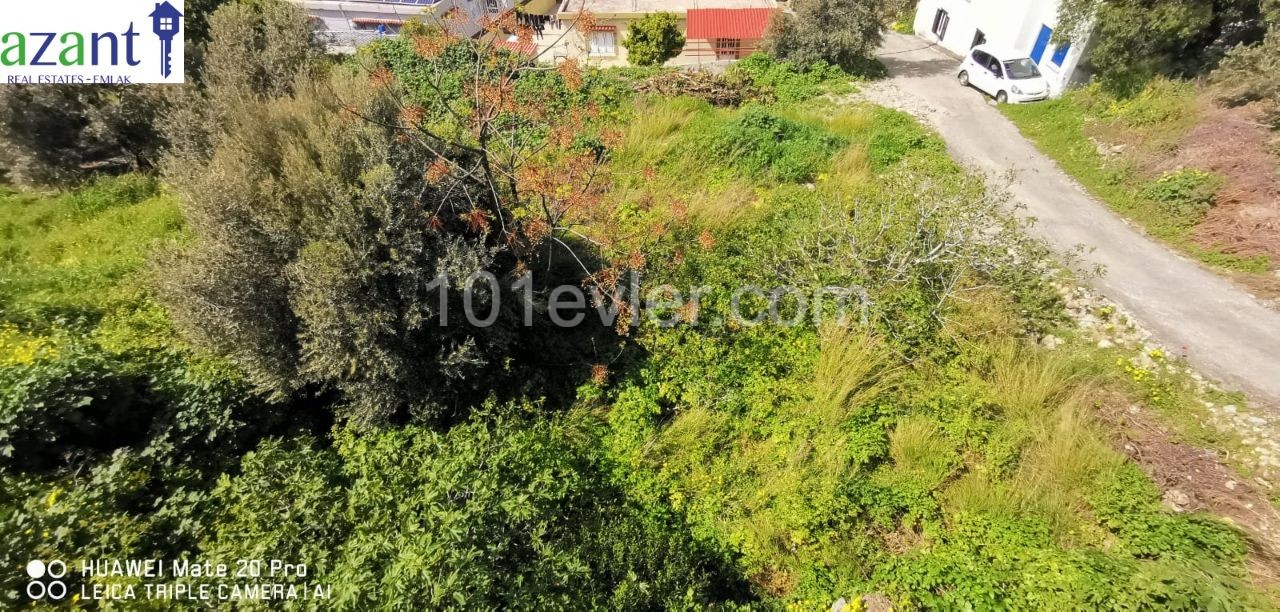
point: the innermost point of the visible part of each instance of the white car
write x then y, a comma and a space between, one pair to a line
1006, 75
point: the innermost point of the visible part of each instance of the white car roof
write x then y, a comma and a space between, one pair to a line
1003, 54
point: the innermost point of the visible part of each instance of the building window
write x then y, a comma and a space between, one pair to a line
978, 39
604, 42
166, 23
940, 22
1060, 54
728, 48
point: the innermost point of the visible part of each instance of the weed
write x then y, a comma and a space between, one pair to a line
1186, 194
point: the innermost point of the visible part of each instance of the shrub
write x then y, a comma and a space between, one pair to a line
1132, 41
494, 512
844, 33
785, 81
759, 141
1185, 194
1250, 73
653, 39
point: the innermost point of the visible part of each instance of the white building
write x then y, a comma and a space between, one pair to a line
1026, 26
346, 24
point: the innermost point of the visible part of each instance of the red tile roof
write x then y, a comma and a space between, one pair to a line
728, 23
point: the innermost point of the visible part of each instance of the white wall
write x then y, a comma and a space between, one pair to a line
1007, 23
336, 15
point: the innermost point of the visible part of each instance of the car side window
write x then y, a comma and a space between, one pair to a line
993, 65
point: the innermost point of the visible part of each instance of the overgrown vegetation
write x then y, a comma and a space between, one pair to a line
1250, 74
1131, 41
275, 384
1076, 131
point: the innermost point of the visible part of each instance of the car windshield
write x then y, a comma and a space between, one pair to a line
1022, 69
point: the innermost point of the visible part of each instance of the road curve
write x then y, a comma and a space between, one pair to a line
1224, 332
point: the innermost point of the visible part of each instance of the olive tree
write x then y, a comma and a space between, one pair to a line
359, 228
844, 33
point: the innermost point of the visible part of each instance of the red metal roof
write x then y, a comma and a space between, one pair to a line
728, 23
513, 43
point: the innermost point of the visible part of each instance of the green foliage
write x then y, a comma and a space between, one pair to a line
70, 257
894, 135
842, 33
1250, 73
492, 512
1186, 194
918, 447
653, 39
1163, 105
1131, 41
788, 83
113, 191
759, 141
1128, 504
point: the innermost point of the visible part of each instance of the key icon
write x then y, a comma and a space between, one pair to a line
166, 22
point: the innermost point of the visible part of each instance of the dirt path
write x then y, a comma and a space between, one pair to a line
1222, 330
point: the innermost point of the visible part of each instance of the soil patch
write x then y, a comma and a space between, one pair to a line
1194, 479
1236, 144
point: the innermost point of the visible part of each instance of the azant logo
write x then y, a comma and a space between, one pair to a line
89, 41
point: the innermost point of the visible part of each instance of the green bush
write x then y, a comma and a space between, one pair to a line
1185, 194
653, 39
788, 83
844, 33
758, 141
496, 512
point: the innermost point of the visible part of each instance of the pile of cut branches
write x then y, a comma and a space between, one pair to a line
718, 89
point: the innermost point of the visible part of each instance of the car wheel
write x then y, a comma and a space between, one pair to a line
964, 78
1002, 98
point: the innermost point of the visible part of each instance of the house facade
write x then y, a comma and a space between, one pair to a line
715, 30
346, 24
1026, 26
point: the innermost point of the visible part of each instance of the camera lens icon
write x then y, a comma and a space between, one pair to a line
53, 588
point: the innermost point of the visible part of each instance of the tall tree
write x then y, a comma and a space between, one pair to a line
844, 33
326, 203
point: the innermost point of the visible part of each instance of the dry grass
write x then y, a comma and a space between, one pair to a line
852, 368
917, 445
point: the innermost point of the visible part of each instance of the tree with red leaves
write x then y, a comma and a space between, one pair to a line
339, 226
